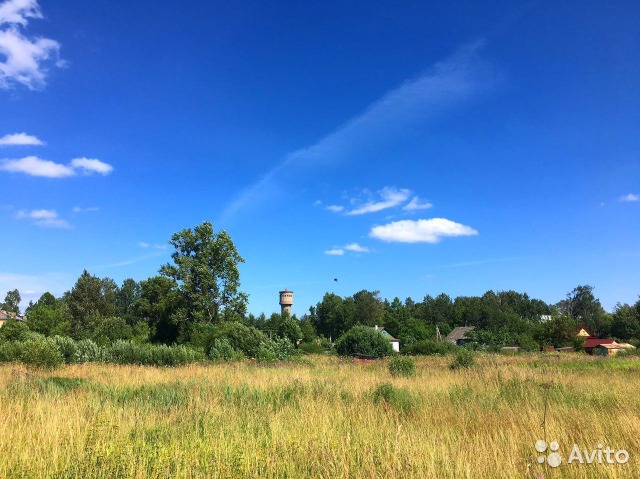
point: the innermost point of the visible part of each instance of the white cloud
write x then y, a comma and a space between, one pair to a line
44, 218
20, 139
24, 60
90, 165
335, 252
31, 287
142, 244
78, 209
356, 248
335, 208
447, 84
631, 197
416, 204
389, 198
34, 166
420, 231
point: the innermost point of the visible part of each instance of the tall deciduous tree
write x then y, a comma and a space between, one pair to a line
206, 269
12, 302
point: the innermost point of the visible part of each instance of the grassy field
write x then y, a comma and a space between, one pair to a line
319, 418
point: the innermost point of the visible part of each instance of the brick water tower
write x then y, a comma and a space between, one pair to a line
286, 300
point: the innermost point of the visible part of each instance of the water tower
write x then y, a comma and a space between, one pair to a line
286, 300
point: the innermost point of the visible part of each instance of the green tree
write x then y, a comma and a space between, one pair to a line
90, 296
625, 322
159, 304
363, 340
126, 298
49, 316
12, 302
582, 305
206, 269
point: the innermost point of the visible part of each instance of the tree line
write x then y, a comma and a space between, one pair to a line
196, 300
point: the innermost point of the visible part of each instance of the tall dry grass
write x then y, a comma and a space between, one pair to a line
322, 418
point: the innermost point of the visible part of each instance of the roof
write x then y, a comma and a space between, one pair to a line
385, 334
583, 332
459, 333
594, 343
617, 346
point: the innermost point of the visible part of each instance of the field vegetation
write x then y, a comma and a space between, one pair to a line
320, 417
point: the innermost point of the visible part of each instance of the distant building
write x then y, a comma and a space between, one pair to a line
286, 301
459, 335
611, 349
7, 315
395, 343
592, 343
583, 332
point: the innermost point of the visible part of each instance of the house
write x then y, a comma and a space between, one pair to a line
592, 343
7, 315
459, 335
583, 332
395, 343
611, 349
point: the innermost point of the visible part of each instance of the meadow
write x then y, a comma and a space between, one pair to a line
319, 417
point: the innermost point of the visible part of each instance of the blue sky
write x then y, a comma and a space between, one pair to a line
408, 147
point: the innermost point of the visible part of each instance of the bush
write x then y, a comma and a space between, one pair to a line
311, 348
365, 341
127, 352
402, 366
41, 354
223, 351
11, 351
241, 338
67, 347
429, 348
463, 360
89, 352
14, 330
398, 398
280, 349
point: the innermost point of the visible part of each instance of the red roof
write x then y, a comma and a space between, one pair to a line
594, 343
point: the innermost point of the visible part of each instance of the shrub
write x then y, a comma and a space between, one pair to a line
463, 360
398, 398
429, 348
67, 347
241, 338
11, 351
89, 352
402, 366
223, 351
127, 352
41, 354
311, 348
280, 349
14, 330
363, 340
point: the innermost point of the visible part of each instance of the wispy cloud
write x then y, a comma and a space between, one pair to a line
142, 244
335, 208
356, 248
127, 262
389, 198
353, 247
24, 59
416, 204
34, 166
20, 139
631, 197
420, 231
443, 86
78, 209
91, 165
44, 218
